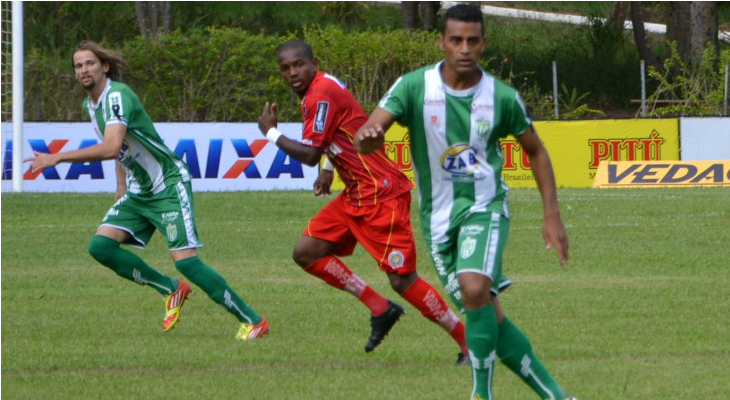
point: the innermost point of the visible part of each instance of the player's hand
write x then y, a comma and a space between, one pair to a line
41, 161
267, 120
553, 232
369, 138
323, 183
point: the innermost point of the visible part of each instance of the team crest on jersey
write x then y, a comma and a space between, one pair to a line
460, 159
468, 246
320, 117
482, 128
171, 232
396, 259
115, 103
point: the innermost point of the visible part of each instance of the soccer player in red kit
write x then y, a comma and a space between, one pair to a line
373, 209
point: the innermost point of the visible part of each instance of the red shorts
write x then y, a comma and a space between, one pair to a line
384, 230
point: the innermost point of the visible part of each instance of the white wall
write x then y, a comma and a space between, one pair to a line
704, 139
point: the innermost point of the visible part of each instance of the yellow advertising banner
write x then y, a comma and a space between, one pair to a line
632, 174
576, 148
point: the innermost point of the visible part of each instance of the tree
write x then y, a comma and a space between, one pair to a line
693, 25
419, 14
149, 14
642, 43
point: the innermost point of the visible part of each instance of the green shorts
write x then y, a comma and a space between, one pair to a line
478, 248
171, 212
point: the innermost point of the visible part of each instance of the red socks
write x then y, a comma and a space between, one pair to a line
430, 303
336, 274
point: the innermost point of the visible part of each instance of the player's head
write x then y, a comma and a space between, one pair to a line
462, 39
297, 64
111, 62
464, 13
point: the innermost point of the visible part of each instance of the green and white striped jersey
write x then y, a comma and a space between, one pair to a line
455, 145
150, 165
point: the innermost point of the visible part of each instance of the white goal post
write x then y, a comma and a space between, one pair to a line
13, 84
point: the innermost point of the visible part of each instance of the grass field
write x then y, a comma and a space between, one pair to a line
641, 313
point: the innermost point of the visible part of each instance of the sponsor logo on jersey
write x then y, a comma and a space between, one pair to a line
113, 212
396, 259
320, 117
169, 217
124, 153
452, 287
115, 103
481, 107
460, 159
472, 230
434, 120
434, 102
438, 261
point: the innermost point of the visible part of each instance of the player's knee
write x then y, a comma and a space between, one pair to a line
475, 296
302, 256
401, 283
102, 248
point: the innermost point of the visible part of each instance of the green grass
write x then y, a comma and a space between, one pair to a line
641, 313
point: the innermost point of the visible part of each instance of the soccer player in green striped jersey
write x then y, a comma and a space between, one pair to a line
456, 114
153, 193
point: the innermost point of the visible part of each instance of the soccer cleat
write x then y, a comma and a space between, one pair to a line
380, 325
463, 360
173, 304
251, 332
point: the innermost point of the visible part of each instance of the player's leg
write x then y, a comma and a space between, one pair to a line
481, 241
325, 237
316, 258
176, 209
395, 251
124, 224
515, 351
217, 288
426, 299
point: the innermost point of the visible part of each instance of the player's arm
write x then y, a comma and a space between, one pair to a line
121, 180
371, 135
308, 155
106, 150
553, 230
325, 178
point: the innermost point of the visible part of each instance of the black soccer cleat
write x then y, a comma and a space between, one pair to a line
462, 360
381, 325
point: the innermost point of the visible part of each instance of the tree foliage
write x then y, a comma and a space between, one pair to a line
218, 62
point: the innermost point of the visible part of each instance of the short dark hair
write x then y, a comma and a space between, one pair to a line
116, 65
297, 44
465, 13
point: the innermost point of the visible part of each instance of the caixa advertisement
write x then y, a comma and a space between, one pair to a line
220, 156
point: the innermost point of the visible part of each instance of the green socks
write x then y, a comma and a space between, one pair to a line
515, 351
481, 338
217, 289
128, 265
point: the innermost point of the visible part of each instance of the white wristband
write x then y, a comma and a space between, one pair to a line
273, 135
327, 165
